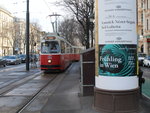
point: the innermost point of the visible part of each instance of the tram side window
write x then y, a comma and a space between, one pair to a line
71, 51
67, 48
75, 50
62, 47
78, 50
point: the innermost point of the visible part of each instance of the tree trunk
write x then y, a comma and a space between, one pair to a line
87, 33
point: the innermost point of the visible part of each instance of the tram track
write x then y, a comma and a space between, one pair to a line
16, 84
8, 94
46, 91
14, 72
35, 95
30, 93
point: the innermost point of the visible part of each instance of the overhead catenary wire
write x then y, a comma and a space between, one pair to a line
47, 5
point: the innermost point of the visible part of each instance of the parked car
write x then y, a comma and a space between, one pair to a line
22, 57
141, 57
13, 59
3, 62
146, 61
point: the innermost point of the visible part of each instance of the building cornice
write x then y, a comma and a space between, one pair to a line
5, 11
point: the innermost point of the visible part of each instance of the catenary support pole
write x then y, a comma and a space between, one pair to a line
27, 36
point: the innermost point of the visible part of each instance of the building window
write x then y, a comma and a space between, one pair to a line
141, 4
147, 25
147, 4
142, 18
142, 32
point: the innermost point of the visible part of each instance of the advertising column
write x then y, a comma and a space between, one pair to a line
117, 48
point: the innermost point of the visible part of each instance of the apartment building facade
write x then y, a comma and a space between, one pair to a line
12, 35
6, 27
144, 26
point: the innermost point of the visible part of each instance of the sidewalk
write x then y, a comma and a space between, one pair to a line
66, 98
146, 88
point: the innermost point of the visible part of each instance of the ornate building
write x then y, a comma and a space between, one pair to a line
12, 35
6, 27
144, 26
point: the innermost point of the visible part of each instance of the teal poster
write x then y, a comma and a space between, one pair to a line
117, 60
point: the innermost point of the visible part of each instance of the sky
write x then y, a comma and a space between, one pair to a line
39, 10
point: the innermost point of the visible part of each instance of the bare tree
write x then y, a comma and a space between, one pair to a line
35, 32
83, 11
68, 29
19, 40
72, 30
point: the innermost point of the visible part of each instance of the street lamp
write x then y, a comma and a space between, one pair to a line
56, 19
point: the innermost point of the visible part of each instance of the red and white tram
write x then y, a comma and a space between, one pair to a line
57, 53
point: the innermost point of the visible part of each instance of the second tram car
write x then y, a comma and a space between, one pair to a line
57, 53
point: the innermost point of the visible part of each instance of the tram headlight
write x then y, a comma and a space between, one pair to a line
49, 61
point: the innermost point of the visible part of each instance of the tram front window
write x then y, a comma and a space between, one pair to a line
50, 47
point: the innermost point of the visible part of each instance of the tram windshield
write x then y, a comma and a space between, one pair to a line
50, 47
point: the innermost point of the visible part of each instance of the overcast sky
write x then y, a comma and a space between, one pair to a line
39, 10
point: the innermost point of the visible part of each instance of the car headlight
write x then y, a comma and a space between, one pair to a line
49, 61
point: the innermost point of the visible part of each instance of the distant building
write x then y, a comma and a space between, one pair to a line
144, 26
6, 24
12, 35
19, 36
